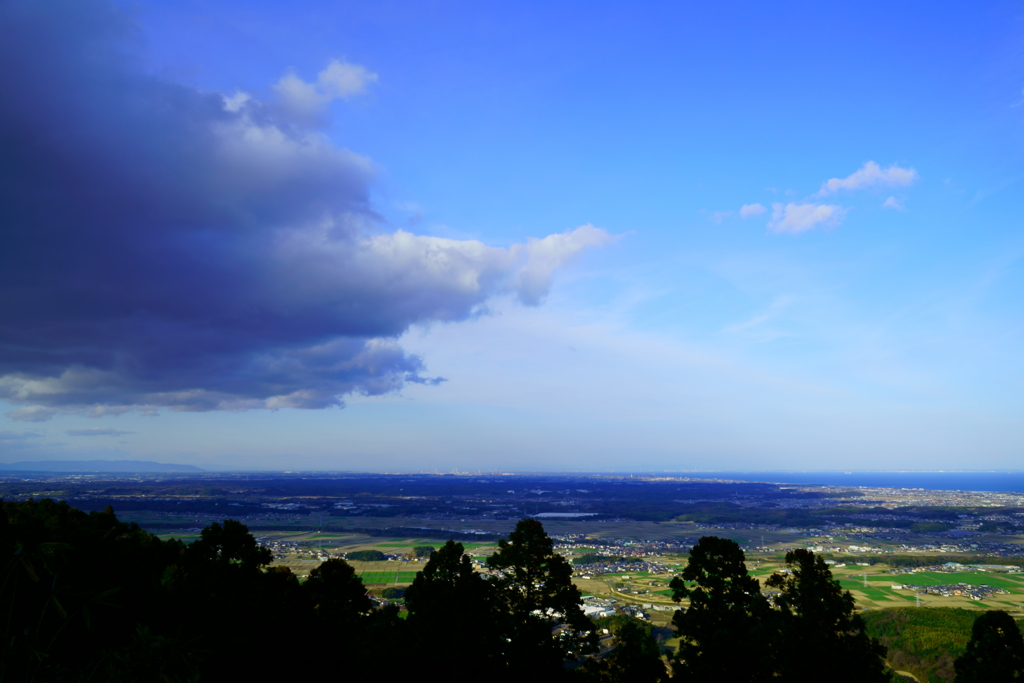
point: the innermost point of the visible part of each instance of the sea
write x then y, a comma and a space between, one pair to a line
1002, 481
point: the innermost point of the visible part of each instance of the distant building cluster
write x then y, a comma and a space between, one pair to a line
585, 571
958, 567
967, 590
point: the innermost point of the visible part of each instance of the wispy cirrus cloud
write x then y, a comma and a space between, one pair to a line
777, 306
97, 431
870, 175
794, 218
7, 436
18, 442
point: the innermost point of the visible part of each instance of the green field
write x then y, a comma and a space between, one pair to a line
387, 577
187, 538
877, 592
972, 578
330, 535
761, 572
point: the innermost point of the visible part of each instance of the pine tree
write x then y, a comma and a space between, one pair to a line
995, 653
451, 616
821, 631
726, 633
539, 608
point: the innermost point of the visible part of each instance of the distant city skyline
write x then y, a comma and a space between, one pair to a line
533, 237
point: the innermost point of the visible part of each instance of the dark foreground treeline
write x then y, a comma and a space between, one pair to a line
84, 597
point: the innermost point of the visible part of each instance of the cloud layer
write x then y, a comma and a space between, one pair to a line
168, 247
97, 431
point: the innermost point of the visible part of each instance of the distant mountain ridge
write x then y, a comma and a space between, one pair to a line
97, 466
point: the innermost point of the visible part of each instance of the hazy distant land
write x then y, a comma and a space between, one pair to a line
97, 466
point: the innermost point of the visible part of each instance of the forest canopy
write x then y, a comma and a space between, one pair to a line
90, 598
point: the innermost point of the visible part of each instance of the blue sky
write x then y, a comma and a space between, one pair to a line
801, 243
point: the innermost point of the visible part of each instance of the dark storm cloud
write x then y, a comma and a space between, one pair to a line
169, 247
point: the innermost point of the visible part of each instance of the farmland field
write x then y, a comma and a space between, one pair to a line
387, 577
870, 585
1008, 582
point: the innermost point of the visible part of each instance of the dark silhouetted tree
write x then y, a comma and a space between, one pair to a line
73, 589
221, 599
366, 556
538, 607
337, 594
451, 616
995, 653
820, 630
636, 658
229, 544
727, 632
349, 627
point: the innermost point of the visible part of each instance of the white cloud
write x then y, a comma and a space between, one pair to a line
870, 175
796, 218
544, 256
31, 414
449, 276
746, 211
235, 102
893, 203
750, 210
340, 80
